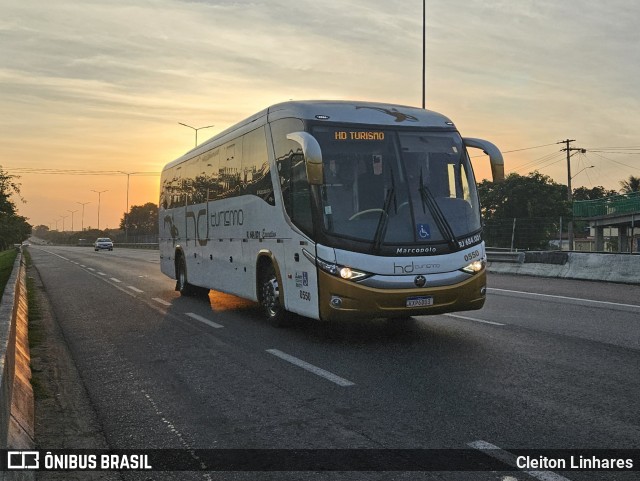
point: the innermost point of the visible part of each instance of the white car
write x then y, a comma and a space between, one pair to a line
103, 243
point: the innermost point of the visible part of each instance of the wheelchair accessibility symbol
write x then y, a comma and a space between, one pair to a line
424, 232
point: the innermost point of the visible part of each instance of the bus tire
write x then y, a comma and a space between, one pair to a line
182, 285
270, 298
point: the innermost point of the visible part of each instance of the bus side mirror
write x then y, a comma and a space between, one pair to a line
495, 156
312, 155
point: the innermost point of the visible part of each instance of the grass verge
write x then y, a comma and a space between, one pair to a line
37, 333
7, 258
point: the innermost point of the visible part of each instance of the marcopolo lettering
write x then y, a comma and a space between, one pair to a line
412, 267
226, 218
416, 250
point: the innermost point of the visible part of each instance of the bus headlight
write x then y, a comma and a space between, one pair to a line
474, 267
343, 272
351, 274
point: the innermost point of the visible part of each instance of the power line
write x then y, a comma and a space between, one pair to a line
611, 160
616, 152
539, 161
518, 150
527, 148
34, 170
632, 147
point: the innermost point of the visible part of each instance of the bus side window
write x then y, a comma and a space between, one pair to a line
256, 177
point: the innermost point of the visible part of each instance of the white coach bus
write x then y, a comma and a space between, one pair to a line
332, 210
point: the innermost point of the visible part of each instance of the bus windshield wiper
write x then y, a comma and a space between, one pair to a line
430, 202
381, 229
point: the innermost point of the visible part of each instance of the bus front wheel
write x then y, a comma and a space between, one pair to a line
270, 298
182, 285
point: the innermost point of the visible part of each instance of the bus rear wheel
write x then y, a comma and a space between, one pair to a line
270, 298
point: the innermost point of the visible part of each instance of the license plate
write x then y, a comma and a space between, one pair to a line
419, 301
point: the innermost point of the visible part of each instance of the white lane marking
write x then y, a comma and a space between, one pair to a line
511, 459
91, 269
161, 301
114, 279
174, 430
204, 320
101, 273
82, 265
592, 301
340, 381
474, 319
135, 289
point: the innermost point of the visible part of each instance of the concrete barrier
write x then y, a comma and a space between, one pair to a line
138, 245
512, 257
16, 394
623, 268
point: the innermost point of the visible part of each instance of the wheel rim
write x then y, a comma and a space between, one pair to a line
271, 297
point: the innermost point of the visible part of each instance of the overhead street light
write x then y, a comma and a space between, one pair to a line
72, 212
99, 192
576, 175
424, 53
83, 204
196, 129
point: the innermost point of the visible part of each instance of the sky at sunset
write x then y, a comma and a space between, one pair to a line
89, 86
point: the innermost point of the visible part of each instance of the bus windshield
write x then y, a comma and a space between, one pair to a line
397, 187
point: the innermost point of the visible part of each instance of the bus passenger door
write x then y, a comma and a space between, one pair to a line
301, 280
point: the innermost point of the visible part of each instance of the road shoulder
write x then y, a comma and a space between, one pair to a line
64, 415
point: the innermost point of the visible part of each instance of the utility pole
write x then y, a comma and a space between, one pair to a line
569, 149
424, 53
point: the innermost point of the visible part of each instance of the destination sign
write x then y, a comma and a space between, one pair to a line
358, 135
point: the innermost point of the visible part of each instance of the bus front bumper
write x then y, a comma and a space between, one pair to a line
343, 300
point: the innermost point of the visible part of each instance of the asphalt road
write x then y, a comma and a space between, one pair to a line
547, 364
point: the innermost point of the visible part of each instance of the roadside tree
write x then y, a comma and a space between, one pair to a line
142, 220
526, 209
632, 184
13, 227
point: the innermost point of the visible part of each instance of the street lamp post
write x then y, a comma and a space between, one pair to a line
196, 129
590, 167
63, 217
72, 212
83, 204
99, 192
424, 53
126, 214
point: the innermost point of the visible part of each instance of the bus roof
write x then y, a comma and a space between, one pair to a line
346, 111
358, 112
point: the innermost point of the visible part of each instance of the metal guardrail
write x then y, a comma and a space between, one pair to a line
614, 205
